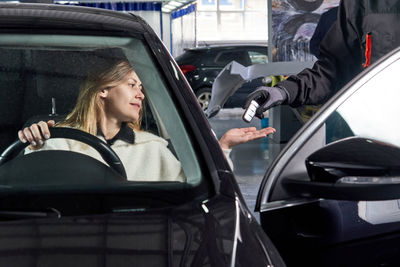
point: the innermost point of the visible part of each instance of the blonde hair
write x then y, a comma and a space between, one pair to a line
88, 109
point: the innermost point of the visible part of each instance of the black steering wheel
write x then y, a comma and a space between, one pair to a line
108, 155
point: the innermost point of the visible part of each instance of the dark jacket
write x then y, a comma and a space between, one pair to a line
342, 51
325, 22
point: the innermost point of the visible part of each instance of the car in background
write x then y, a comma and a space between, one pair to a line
330, 198
201, 66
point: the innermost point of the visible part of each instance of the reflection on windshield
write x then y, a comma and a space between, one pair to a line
44, 78
109, 105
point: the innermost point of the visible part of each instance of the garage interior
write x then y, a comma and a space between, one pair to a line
285, 25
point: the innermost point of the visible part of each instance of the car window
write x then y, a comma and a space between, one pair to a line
225, 57
188, 57
367, 109
40, 78
258, 57
370, 112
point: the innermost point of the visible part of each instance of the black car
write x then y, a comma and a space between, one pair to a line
329, 198
63, 208
202, 65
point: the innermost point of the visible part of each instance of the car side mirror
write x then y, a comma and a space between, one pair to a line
353, 168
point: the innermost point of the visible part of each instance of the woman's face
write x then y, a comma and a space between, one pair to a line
123, 101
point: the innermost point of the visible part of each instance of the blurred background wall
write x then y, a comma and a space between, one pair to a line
286, 25
292, 24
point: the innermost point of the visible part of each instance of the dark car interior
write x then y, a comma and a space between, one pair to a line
43, 84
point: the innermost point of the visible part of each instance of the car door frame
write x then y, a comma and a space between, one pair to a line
278, 213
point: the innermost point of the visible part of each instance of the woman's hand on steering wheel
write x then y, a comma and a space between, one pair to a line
106, 152
36, 134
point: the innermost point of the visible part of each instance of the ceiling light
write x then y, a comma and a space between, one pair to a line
169, 6
166, 9
174, 3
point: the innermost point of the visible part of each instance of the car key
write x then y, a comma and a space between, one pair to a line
249, 113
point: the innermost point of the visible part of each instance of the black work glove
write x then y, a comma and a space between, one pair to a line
266, 97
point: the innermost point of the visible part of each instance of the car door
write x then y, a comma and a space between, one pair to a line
354, 219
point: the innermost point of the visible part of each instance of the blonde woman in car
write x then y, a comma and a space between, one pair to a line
109, 106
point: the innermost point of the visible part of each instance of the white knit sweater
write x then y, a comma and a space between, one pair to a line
148, 159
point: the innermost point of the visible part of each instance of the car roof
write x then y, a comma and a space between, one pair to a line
14, 16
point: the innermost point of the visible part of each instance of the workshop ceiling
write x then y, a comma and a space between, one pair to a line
170, 6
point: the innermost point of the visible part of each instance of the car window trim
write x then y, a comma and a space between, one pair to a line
214, 166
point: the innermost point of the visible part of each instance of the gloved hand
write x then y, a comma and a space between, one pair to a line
266, 97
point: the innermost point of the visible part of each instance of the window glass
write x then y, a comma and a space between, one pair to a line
371, 112
234, 20
231, 27
236, 5
226, 57
188, 57
207, 5
258, 57
40, 79
208, 28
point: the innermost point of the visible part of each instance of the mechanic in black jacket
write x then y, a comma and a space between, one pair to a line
324, 24
364, 31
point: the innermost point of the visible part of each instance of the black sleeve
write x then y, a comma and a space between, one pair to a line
340, 60
324, 24
316, 38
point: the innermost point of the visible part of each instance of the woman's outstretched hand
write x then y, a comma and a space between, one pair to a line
237, 136
36, 134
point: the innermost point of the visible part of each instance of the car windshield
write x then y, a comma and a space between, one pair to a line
40, 79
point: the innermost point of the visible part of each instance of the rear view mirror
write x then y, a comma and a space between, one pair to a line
354, 168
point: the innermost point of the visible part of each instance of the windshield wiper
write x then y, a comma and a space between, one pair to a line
20, 214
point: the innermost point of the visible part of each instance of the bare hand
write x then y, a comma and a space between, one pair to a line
36, 134
237, 136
